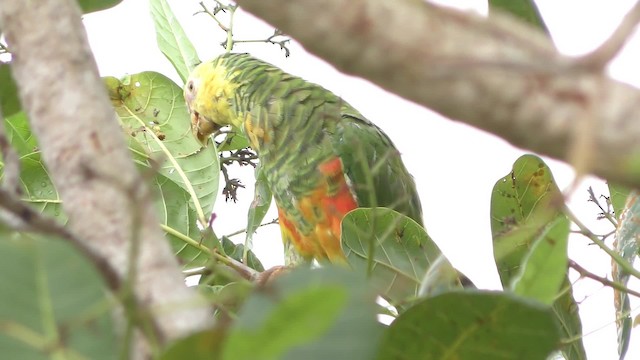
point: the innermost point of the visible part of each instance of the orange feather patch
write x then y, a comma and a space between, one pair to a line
324, 208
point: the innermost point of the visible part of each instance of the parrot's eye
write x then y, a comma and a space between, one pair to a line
190, 86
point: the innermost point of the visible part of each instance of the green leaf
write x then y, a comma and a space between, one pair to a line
38, 188
9, 101
474, 325
204, 345
259, 206
234, 141
326, 313
153, 112
88, 6
523, 204
172, 40
396, 249
239, 252
19, 134
525, 10
545, 267
52, 302
627, 246
441, 277
180, 220
618, 195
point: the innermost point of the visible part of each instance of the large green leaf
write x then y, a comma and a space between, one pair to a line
153, 112
171, 201
524, 205
327, 313
52, 302
392, 247
472, 325
627, 245
172, 40
525, 10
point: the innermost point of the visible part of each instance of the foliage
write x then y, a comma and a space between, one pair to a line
52, 302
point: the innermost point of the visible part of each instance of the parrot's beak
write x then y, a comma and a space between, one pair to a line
202, 127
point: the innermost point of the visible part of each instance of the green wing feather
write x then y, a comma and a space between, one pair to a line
374, 166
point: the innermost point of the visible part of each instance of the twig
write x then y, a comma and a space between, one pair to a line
624, 265
269, 40
228, 43
231, 185
604, 281
242, 231
600, 57
606, 214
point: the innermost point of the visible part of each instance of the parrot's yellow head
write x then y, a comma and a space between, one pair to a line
208, 93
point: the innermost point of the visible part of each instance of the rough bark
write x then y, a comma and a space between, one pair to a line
83, 148
495, 73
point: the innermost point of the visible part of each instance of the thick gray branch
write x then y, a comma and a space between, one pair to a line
85, 153
496, 74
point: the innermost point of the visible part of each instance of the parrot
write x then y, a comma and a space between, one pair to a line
321, 157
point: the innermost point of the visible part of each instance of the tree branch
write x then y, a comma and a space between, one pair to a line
84, 150
496, 73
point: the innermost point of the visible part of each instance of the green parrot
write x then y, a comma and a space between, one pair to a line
320, 156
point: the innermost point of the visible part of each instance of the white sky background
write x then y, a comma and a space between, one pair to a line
454, 165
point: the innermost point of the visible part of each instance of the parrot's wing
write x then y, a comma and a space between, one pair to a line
374, 167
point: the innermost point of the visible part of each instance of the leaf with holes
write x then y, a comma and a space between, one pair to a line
395, 248
153, 113
523, 205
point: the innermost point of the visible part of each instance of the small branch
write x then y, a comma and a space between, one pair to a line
624, 265
242, 231
604, 281
598, 59
231, 185
228, 29
270, 40
604, 213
